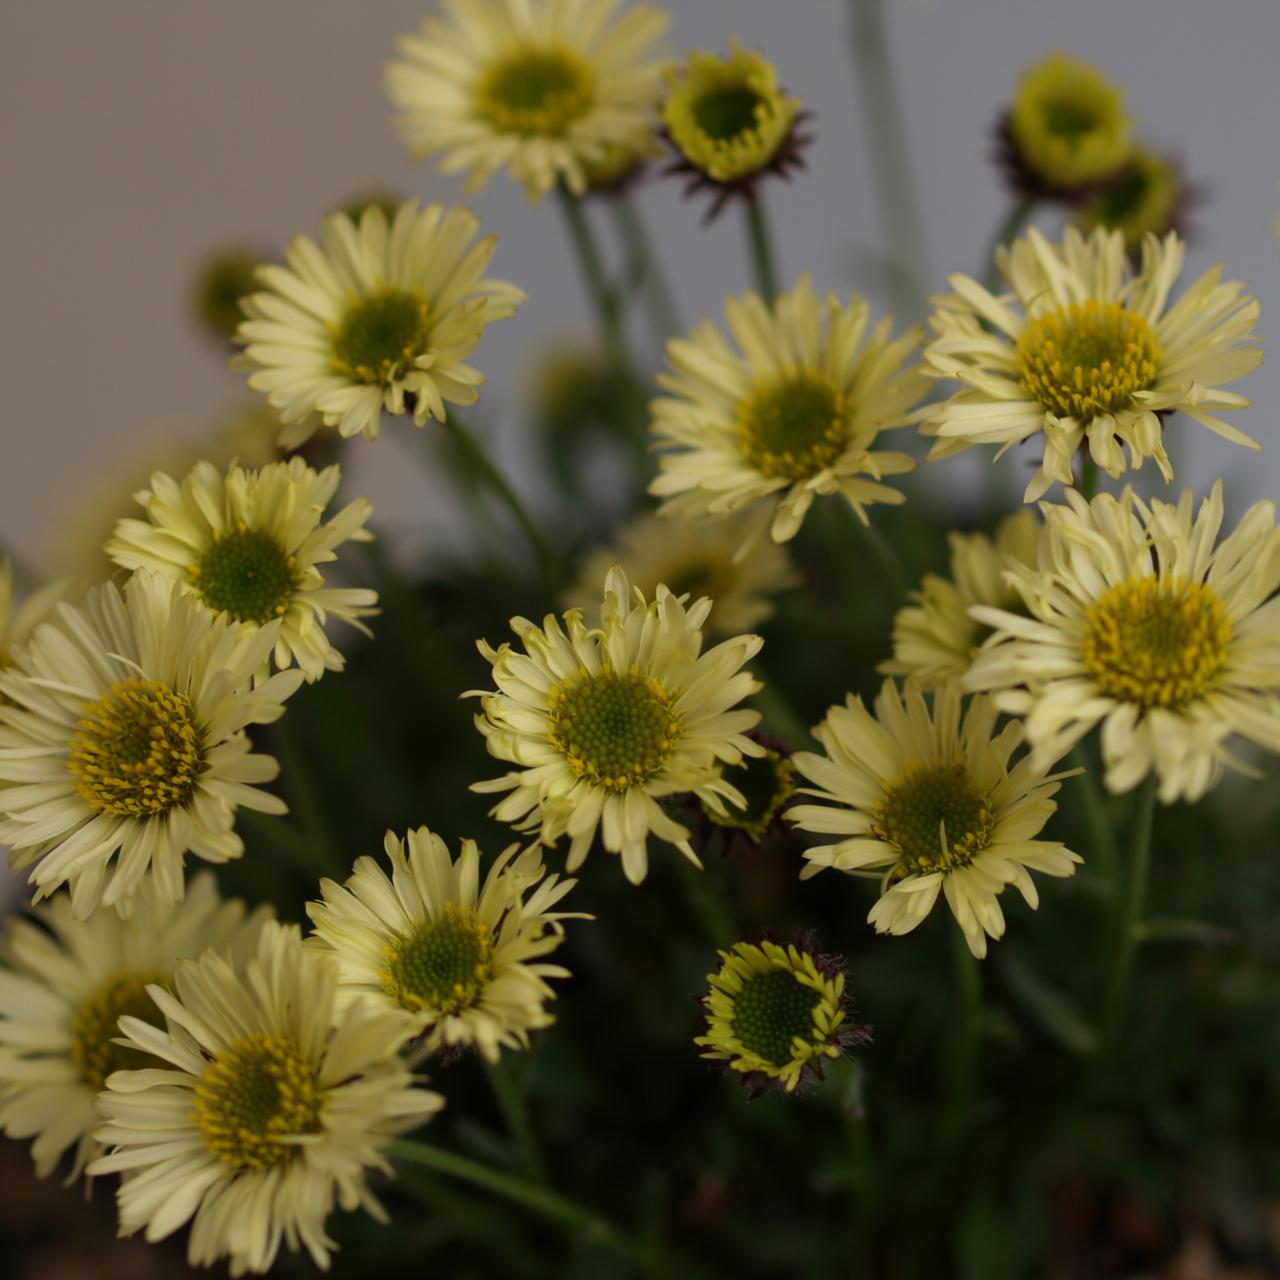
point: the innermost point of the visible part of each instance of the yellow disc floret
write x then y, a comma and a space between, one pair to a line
1156, 644
137, 750
1144, 197
536, 92
795, 428
255, 1098
937, 817
443, 966
1069, 124
726, 116
616, 730
381, 336
1087, 358
246, 573
94, 1027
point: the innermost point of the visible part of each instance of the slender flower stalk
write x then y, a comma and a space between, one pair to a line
763, 259
1128, 908
646, 267
1011, 226
884, 126
574, 1217
476, 453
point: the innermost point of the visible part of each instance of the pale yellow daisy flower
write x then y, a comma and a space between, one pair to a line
267, 1109
1086, 350
604, 722
1140, 619
376, 317
934, 638
248, 543
464, 959
1067, 127
65, 986
790, 415
548, 89
123, 744
928, 801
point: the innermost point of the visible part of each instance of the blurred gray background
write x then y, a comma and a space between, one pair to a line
140, 134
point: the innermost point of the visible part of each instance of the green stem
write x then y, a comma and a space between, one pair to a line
707, 905
608, 307
1088, 473
647, 269
574, 1217
1129, 909
509, 1094
762, 257
479, 457
891, 565
1097, 816
304, 797
963, 1062
884, 130
1014, 221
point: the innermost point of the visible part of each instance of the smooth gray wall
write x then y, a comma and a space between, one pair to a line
139, 133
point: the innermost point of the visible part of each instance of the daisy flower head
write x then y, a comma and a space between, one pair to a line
1086, 350
695, 558
934, 638
268, 1107
792, 413
606, 721
928, 798
379, 315
248, 543
123, 743
729, 123
767, 784
464, 959
544, 88
775, 1013
1142, 619
65, 986
1065, 131
1148, 195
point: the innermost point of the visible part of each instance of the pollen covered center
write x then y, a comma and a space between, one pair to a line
94, 1027
771, 1011
381, 336
536, 92
443, 966
936, 817
793, 429
256, 1096
1158, 646
137, 751
615, 730
1087, 358
246, 573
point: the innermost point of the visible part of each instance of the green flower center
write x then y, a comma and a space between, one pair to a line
225, 280
247, 574
381, 336
936, 817
253, 1098
1069, 117
723, 114
137, 750
536, 92
444, 966
771, 1011
1087, 358
1156, 647
766, 783
615, 730
793, 429
94, 1026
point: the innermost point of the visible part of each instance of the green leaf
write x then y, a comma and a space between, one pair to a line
1183, 929
1050, 1008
